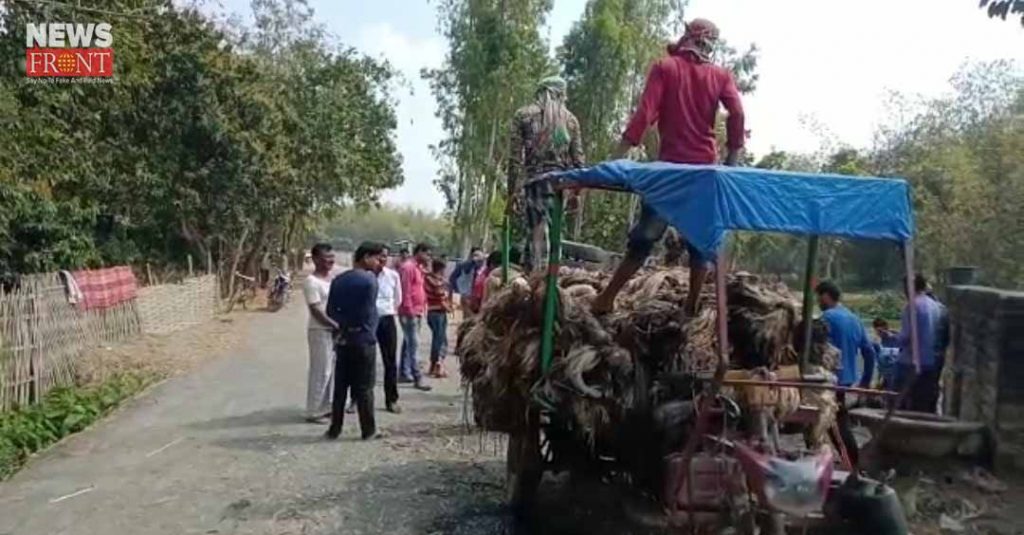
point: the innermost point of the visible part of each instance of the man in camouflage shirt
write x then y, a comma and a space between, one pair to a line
545, 138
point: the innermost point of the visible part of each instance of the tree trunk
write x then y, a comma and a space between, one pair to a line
577, 227
236, 256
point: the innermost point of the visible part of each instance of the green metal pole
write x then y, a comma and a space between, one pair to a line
506, 237
808, 312
551, 289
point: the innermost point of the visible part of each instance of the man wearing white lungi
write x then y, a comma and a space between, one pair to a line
320, 333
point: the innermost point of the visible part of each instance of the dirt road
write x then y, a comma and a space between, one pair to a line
224, 450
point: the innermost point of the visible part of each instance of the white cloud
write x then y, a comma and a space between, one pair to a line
418, 128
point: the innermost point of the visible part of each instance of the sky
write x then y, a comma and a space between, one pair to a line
829, 64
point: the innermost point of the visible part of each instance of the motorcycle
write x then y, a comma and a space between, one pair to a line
280, 289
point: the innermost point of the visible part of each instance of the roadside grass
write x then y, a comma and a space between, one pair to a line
62, 412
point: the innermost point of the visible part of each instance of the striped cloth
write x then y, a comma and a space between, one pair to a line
106, 288
437, 292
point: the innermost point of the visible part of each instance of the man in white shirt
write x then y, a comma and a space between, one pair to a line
389, 296
320, 334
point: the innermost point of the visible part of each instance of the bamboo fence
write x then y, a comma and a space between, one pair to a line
166, 308
42, 335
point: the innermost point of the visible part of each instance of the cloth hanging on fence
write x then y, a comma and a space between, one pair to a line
105, 288
71, 289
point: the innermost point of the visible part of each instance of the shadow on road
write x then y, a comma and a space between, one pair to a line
453, 498
273, 416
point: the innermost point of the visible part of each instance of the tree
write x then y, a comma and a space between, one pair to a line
386, 224
214, 141
495, 57
1003, 8
605, 58
963, 157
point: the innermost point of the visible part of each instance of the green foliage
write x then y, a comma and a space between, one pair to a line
1003, 8
885, 305
496, 56
38, 234
62, 412
386, 224
211, 140
605, 58
964, 157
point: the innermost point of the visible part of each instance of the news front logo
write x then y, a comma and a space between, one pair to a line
69, 50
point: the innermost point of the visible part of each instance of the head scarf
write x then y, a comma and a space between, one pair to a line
554, 117
700, 39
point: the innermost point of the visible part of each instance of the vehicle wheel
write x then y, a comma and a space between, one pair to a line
523, 467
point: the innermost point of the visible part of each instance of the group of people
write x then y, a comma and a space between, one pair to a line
356, 312
479, 277
892, 351
355, 315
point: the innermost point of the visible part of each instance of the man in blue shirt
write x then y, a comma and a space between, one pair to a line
932, 339
352, 304
887, 349
462, 277
846, 332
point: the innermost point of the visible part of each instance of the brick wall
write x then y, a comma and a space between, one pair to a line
985, 381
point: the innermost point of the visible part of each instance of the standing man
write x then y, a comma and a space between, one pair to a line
411, 312
545, 138
932, 339
389, 298
682, 95
438, 308
846, 332
462, 277
320, 335
352, 304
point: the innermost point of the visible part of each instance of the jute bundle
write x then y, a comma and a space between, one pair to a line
592, 380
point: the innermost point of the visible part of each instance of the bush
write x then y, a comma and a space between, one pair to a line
885, 305
62, 412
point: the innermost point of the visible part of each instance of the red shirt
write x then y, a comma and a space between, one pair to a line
682, 96
414, 294
479, 284
437, 292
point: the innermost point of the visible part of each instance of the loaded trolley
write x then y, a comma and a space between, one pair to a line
717, 469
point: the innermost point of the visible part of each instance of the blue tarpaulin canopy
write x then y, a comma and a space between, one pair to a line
705, 201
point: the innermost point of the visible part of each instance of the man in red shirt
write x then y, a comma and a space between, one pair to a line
682, 95
411, 312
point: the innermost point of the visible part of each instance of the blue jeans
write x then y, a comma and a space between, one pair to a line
409, 368
437, 320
